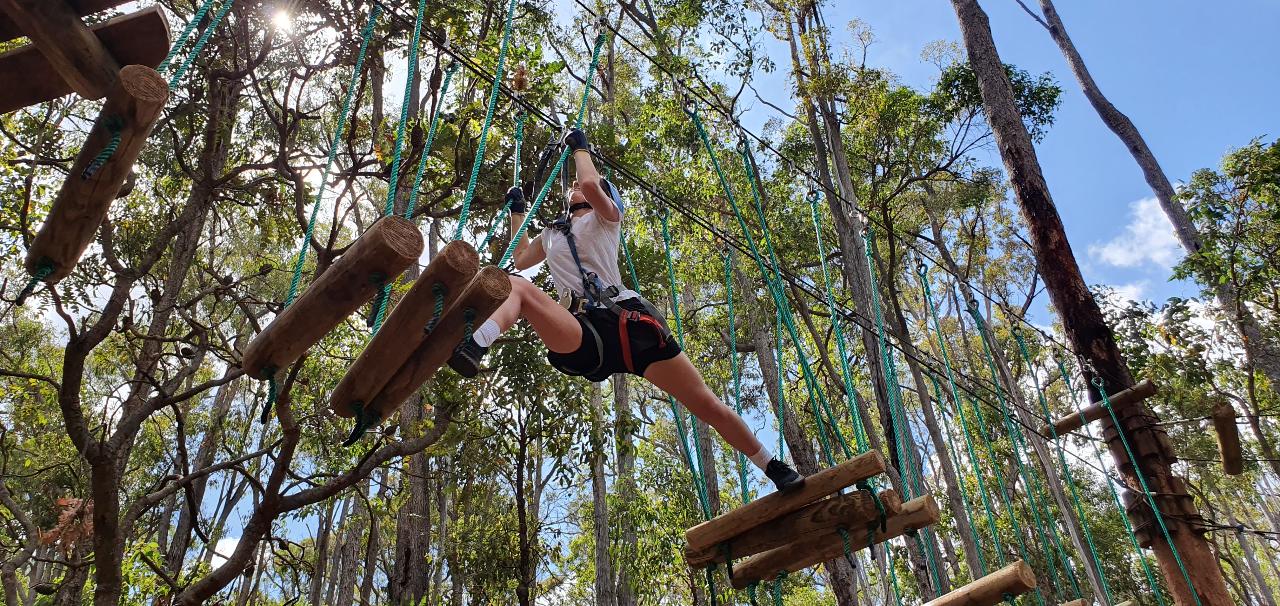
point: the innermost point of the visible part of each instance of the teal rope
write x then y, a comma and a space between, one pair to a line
431, 139
44, 270
438, 290
116, 127
1066, 470
1100, 385
494, 89
272, 394
1115, 496
199, 46
631, 268
186, 33
506, 207
339, 131
777, 589
555, 172
965, 497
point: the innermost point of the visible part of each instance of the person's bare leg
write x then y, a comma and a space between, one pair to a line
557, 328
682, 381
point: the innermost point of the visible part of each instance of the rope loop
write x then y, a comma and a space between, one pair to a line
42, 271
438, 290
271, 399
115, 126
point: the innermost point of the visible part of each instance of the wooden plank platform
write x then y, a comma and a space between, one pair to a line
855, 512
27, 77
775, 505
1012, 580
1224, 425
80, 206
381, 254
82, 8
405, 328
483, 296
1096, 412
915, 514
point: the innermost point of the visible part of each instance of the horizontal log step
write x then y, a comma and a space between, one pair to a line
27, 77
82, 8
1012, 580
1096, 412
775, 505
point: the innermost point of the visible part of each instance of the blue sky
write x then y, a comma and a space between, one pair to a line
1197, 78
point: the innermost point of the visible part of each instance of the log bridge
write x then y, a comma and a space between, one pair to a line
113, 59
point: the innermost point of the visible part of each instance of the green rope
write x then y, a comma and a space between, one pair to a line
564, 154
272, 394
1066, 470
196, 18
631, 268
506, 207
115, 126
777, 589
733, 367
1019, 447
494, 89
339, 131
199, 45
44, 270
964, 423
965, 497
431, 139
439, 291
1115, 496
1100, 385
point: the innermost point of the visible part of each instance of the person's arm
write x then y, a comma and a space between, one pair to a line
589, 180
528, 253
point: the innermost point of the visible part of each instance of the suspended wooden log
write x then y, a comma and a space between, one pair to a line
772, 506
131, 111
140, 38
1012, 580
1224, 424
1096, 412
854, 512
381, 254
481, 298
914, 515
405, 327
82, 8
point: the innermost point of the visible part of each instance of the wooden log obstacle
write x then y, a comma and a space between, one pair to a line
1096, 412
786, 532
381, 254
1011, 581
1224, 425
67, 56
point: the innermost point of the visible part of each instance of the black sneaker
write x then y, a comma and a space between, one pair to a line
783, 476
466, 358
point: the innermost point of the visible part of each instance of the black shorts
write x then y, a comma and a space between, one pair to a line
600, 354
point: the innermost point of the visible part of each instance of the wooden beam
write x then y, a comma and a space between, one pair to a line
131, 108
27, 77
381, 254
915, 514
775, 505
483, 296
855, 512
1096, 412
1224, 424
72, 49
82, 8
1012, 580
405, 328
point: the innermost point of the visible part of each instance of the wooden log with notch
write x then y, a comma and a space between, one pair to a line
405, 328
82, 8
381, 254
1096, 412
914, 515
482, 297
855, 512
61, 59
1012, 580
770, 507
1224, 425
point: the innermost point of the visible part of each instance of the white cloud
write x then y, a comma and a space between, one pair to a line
1133, 291
223, 550
1147, 239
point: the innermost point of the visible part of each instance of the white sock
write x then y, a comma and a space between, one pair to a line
487, 333
762, 458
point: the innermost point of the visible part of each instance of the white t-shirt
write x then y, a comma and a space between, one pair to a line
597, 242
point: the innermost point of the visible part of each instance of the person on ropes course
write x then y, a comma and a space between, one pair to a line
602, 328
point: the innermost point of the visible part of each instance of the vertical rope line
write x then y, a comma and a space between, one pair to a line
494, 89
965, 497
186, 33
199, 46
733, 367
338, 132
393, 182
515, 177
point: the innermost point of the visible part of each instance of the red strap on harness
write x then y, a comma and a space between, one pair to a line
627, 316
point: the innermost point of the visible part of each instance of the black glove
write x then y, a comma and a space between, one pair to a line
576, 139
515, 200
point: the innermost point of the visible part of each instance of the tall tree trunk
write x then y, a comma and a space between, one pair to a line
604, 584
324, 529
624, 438
1083, 322
373, 546
1251, 559
1258, 343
